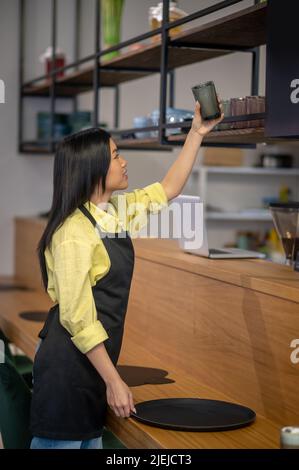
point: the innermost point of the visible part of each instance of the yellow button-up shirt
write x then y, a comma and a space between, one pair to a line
77, 258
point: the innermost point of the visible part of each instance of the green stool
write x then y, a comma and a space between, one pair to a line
110, 441
15, 398
22, 363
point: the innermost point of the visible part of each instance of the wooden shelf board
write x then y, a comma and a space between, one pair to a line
80, 82
254, 135
31, 147
245, 28
234, 137
146, 144
125, 144
263, 216
148, 57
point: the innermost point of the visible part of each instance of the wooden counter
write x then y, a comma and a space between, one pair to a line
261, 434
256, 274
221, 328
229, 323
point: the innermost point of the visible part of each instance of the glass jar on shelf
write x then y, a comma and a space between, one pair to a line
156, 16
47, 60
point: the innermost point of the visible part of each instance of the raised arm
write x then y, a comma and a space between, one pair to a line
177, 175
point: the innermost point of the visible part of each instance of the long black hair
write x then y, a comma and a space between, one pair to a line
81, 161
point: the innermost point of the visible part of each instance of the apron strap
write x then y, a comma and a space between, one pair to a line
88, 215
91, 218
94, 222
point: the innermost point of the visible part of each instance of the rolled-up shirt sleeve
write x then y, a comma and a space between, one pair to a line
77, 310
152, 198
139, 203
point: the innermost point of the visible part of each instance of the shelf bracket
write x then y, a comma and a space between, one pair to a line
53, 82
96, 72
255, 71
213, 47
21, 73
163, 73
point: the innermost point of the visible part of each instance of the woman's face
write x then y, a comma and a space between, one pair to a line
116, 177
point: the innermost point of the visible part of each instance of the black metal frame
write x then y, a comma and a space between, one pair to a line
21, 75
164, 71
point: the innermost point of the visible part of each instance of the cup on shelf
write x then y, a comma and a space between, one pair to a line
61, 126
143, 121
47, 59
79, 120
255, 104
226, 107
172, 115
238, 108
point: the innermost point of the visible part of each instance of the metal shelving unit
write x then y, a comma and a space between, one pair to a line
213, 39
248, 170
202, 175
257, 216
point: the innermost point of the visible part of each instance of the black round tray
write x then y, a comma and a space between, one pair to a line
193, 414
38, 316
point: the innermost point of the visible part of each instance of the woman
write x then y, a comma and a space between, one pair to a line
87, 258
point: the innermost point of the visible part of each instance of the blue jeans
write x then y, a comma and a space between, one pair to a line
41, 443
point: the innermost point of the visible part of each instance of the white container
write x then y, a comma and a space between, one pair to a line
289, 437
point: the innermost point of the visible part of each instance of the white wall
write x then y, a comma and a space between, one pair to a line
25, 180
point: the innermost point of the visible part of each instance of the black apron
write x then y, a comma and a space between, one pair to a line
69, 396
